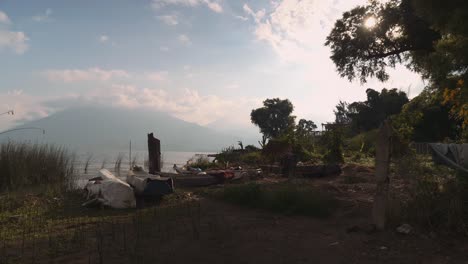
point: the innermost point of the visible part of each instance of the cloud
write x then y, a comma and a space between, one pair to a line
16, 41
188, 104
185, 40
43, 17
91, 74
157, 76
243, 18
13, 40
213, 5
296, 29
256, 15
4, 18
164, 48
170, 20
103, 38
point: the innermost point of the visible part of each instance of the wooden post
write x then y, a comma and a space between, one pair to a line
382, 164
154, 154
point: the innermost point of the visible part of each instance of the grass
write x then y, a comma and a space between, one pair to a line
40, 226
285, 199
23, 164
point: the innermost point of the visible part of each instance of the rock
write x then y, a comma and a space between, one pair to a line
404, 229
334, 244
383, 248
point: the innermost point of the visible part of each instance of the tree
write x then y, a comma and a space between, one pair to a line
274, 119
341, 113
426, 119
427, 36
305, 127
367, 115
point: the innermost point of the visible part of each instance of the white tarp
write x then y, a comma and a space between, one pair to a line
110, 191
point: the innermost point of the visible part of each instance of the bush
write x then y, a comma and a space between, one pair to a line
252, 158
363, 143
23, 164
200, 161
333, 140
284, 199
438, 196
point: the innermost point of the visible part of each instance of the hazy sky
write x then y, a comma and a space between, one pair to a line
205, 61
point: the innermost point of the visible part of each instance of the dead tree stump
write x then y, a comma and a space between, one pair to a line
382, 164
154, 154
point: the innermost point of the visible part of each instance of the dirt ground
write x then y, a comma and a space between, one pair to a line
216, 232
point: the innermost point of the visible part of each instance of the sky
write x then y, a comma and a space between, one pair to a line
208, 62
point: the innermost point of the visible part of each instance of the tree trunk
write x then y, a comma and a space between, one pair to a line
154, 154
382, 162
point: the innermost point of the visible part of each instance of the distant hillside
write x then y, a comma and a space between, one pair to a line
110, 129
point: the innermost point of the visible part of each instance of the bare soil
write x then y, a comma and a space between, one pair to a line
216, 232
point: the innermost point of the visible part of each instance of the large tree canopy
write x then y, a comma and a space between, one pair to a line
274, 118
427, 36
367, 115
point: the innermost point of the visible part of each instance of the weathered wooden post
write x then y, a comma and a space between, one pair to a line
154, 154
382, 164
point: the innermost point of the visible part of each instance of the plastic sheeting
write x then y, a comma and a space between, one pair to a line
108, 190
453, 155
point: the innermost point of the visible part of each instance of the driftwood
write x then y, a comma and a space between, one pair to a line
382, 164
154, 154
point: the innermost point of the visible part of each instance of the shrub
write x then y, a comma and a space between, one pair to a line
285, 199
438, 197
333, 140
252, 158
200, 161
363, 143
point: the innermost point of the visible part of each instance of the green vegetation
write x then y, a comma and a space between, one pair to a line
437, 195
274, 118
23, 164
285, 198
368, 115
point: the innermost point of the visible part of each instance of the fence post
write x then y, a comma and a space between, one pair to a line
154, 154
382, 164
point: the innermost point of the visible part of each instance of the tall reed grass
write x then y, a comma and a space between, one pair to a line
27, 164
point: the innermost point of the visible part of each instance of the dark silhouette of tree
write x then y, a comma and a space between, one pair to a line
367, 115
341, 113
427, 36
400, 36
305, 128
274, 119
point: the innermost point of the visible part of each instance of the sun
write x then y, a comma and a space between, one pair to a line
370, 22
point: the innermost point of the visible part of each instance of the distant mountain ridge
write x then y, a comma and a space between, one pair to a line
107, 128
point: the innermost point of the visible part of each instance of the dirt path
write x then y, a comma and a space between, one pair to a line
231, 234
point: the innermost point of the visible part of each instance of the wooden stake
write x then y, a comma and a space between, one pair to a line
382, 164
154, 154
